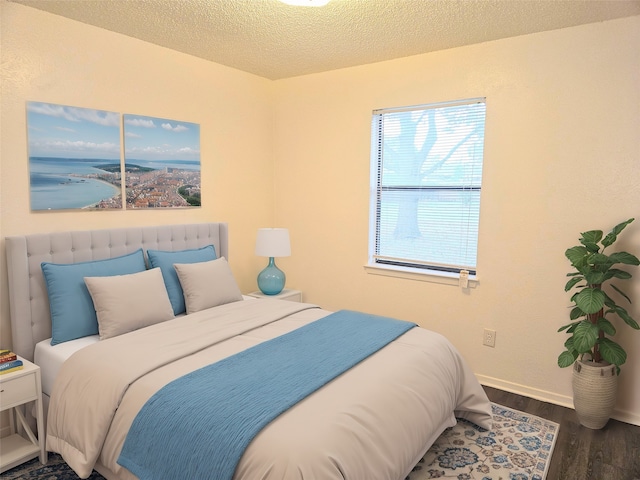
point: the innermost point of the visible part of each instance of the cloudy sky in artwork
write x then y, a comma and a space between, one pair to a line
151, 138
60, 131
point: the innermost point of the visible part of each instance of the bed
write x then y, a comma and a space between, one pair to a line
371, 419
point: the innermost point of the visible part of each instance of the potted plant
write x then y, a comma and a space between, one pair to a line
590, 349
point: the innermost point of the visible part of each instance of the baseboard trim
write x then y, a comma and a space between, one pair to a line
549, 397
626, 417
524, 390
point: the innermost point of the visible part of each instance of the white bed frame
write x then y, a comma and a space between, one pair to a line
28, 299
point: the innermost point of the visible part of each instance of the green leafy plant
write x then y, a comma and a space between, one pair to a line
590, 329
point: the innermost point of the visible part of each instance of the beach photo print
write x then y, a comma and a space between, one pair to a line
74, 158
162, 163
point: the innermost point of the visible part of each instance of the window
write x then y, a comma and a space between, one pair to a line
426, 176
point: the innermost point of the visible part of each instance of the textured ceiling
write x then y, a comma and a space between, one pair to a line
274, 40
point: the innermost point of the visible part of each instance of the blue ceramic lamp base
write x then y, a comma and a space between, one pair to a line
271, 279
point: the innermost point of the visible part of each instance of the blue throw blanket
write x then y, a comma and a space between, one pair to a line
199, 425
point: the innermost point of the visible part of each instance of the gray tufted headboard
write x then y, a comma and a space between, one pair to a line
28, 299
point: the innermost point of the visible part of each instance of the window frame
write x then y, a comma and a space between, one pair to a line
413, 268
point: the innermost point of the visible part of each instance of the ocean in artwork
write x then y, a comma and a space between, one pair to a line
65, 183
163, 164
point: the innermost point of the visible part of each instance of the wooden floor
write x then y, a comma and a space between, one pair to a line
612, 453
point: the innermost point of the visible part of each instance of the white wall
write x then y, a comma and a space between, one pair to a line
562, 153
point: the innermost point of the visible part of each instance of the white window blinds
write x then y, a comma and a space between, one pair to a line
426, 176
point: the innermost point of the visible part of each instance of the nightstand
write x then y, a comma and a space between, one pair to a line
16, 389
286, 294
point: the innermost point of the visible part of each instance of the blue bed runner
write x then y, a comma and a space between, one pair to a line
199, 425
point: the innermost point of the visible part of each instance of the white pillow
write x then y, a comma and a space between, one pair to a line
207, 284
125, 303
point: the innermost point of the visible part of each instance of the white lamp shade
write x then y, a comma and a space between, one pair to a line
273, 242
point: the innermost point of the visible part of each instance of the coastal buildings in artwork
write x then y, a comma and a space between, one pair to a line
146, 187
169, 187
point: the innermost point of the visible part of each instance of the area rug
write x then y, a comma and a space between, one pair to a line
55, 469
518, 447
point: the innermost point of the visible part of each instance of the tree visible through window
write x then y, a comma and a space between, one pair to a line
426, 177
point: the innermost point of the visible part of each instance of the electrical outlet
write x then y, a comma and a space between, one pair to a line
489, 338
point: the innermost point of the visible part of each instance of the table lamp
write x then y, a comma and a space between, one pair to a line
272, 242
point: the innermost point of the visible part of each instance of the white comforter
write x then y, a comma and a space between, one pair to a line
373, 422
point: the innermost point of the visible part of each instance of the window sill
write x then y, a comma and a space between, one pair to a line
445, 278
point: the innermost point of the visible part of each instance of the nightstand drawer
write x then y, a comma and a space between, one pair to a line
17, 390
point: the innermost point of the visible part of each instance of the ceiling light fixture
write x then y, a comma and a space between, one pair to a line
306, 3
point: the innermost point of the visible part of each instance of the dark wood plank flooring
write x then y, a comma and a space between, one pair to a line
612, 453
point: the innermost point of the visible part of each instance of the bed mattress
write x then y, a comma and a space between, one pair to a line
51, 357
375, 421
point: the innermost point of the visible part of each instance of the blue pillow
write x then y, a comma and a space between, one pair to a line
166, 260
72, 312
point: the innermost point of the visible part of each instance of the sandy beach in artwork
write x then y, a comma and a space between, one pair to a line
115, 201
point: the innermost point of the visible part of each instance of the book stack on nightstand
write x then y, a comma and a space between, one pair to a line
9, 362
286, 294
19, 386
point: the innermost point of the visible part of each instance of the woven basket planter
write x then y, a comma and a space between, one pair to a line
595, 386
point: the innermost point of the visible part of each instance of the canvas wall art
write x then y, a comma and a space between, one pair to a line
74, 157
162, 163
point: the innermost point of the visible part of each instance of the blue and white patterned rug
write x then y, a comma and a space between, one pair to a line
55, 469
518, 447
